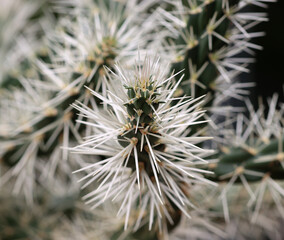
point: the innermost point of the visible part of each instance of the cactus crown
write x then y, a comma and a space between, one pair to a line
143, 101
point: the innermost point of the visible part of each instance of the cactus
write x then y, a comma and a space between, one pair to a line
17, 36
211, 37
46, 95
19, 221
208, 49
208, 37
254, 154
137, 132
143, 136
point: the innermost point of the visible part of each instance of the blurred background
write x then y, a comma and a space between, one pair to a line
268, 71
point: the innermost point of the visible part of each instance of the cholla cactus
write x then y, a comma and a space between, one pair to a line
136, 135
97, 34
79, 48
17, 35
19, 221
208, 38
255, 153
143, 139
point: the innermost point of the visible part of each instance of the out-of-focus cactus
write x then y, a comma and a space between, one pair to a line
140, 122
18, 36
40, 221
254, 153
38, 117
212, 46
213, 39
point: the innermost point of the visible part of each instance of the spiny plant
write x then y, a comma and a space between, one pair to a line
138, 122
143, 140
18, 34
212, 42
254, 153
82, 43
19, 221
212, 34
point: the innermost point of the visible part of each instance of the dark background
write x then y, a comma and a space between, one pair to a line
268, 71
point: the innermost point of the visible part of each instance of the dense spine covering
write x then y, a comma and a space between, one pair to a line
146, 153
143, 133
76, 53
254, 155
212, 44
